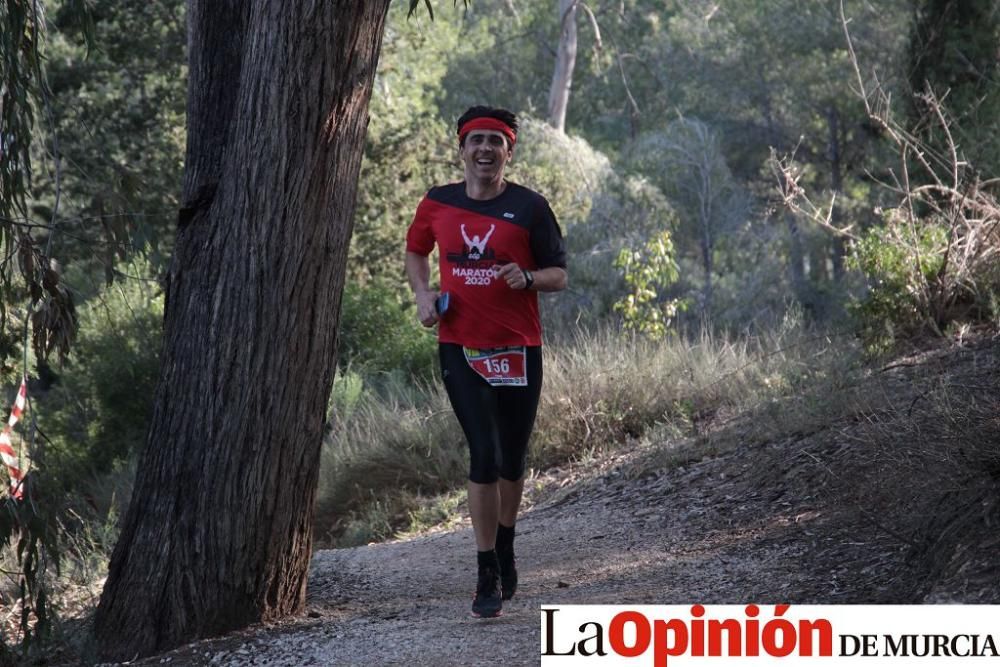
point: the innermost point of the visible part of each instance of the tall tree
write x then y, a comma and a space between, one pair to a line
562, 75
953, 54
686, 161
218, 532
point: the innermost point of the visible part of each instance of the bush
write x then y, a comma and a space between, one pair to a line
600, 212
926, 273
931, 262
649, 272
897, 272
567, 170
97, 415
379, 333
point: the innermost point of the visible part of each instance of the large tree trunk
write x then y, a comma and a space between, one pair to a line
562, 76
218, 533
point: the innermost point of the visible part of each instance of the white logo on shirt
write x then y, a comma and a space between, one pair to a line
477, 247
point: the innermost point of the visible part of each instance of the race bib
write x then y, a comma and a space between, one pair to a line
500, 366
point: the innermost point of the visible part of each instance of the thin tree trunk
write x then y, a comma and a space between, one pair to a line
796, 255
796, 262
562, 77
706, 258
707, 241
219, 530
839, 250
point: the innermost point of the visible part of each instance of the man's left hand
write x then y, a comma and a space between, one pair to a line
512, 274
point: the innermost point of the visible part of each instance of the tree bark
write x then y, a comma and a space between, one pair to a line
706, 217
218, 533
839, 250
796, 263
562, 77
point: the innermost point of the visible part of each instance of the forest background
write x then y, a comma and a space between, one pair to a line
683, 169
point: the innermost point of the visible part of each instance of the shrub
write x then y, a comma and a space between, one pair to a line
601, 213
897, 272
567, 170
648, 273
925, 273
379, 333
97, 414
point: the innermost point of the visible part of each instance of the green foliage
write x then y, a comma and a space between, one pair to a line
685, 160
519, 38
566, 169
409, 147
118, 102
925, 274
91, 423
624, 212
600, 211
20, 65
952, 55
649, 272
897, 272
22, 88
110, 153
379, 333
429, 5
97, 415
111, 94
29, 531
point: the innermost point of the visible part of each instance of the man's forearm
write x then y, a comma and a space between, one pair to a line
418, 272
550, 279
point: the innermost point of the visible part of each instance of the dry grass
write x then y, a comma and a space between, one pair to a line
910, 452
930, 468
393, 451
387, 452
605, 389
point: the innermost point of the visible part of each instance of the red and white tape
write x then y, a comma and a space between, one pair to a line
7, 452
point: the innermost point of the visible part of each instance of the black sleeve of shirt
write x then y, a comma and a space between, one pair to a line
547, 244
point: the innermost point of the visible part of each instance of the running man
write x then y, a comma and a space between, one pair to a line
499, 245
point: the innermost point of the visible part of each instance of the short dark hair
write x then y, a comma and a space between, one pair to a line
503, 115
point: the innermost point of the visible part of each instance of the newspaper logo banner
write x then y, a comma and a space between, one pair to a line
712, 635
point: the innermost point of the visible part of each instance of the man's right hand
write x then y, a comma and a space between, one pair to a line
426, 312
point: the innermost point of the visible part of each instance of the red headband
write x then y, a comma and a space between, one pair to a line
487, 123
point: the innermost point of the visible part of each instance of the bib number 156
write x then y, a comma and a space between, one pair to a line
498, 365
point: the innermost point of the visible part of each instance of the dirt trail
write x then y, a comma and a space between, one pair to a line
693, 534
750, 524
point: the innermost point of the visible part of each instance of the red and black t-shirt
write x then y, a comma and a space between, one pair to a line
473, 237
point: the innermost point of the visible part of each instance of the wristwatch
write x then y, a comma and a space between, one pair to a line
529, 279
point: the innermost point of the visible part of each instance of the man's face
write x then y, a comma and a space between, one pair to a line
485, 155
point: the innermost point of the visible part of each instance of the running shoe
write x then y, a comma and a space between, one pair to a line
508, 573
487, 602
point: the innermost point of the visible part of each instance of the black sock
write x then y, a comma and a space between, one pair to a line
505, 537
488, 559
